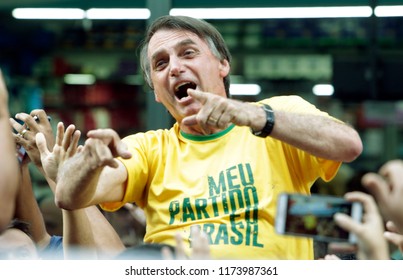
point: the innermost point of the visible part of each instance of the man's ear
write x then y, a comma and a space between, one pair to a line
224, 68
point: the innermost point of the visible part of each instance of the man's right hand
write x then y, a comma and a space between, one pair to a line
110, 138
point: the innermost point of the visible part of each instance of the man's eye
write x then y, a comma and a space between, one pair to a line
189, 52
160, 64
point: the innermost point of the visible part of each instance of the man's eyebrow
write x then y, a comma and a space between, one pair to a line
185, 43
182, 43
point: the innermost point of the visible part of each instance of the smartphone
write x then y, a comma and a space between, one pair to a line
312, 216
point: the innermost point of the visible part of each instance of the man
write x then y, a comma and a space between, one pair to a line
222, 164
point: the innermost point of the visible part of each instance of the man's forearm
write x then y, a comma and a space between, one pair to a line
321, 136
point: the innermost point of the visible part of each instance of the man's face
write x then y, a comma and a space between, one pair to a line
181, 60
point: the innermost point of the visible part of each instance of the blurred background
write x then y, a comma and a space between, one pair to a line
83, 68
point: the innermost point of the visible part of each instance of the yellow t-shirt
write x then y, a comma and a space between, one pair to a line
226, 182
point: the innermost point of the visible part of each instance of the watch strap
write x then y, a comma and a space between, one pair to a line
268, 127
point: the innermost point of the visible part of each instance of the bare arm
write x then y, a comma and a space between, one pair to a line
319, 135
27, 209
10, 175
86, 232
90, 177
106, 240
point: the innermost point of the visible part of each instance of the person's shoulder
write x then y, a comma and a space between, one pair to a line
151, 136
283, 98
285, 102
147, 134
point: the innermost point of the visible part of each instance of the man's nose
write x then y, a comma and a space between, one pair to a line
176, 67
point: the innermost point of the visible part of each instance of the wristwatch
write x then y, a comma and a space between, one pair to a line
268, 127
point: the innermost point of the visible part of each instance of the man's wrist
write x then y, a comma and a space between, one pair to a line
269, 124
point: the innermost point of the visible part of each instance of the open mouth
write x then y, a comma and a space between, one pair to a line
181, 91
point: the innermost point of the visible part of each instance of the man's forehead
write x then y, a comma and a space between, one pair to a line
165, 39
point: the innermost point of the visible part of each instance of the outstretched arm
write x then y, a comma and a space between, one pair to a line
93, 175
9, 172
86, 232
27, 209
321, 136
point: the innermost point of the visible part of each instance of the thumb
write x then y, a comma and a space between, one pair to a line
346, 222
41, 144
123, 151
390, 226
376, 185
395, 238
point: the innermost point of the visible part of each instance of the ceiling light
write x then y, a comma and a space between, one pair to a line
48, 13
118, 13
244, 89
73, 13
79, 79
323, 90
267, 13
389, 11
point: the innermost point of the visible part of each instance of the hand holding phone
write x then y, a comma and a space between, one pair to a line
312, 216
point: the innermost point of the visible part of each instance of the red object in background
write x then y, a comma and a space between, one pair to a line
119, 100
98, 94
60, 67
89, 122
125, 119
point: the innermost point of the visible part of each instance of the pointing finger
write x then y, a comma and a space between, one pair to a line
198, 95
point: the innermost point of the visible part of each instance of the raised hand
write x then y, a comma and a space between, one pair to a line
217, 111
66, 145
387, 188
37, 121
371, 242
110, 138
